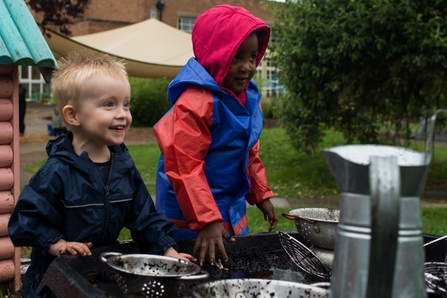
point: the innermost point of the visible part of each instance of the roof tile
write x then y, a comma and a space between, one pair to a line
21, 41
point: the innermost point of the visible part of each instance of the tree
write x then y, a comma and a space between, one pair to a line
359, 66
59, 13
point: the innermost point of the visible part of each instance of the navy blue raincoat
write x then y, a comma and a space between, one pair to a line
67, 199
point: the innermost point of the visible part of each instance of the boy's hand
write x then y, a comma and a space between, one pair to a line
62, 247
171, 252
269, 213
210, 236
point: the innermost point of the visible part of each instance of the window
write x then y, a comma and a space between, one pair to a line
36, 93
186, 23
32, 80
267, 71
35, 73
46, 88
153, 14
24, 74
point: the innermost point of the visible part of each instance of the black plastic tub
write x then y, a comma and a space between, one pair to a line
251, 256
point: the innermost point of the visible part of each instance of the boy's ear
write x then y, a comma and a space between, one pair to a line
70, 115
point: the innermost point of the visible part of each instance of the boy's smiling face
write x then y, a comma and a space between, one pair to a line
244, 65
104, 115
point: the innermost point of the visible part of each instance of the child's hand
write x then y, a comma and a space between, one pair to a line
61, 247
269, 213
210, 237
171, 252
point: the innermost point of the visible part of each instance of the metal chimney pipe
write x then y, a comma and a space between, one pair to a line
160, 6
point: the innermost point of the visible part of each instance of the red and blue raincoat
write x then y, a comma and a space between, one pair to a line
210, 165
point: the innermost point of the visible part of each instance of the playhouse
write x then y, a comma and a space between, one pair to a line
21, 43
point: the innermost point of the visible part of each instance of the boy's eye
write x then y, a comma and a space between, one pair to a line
108, 104
127, 105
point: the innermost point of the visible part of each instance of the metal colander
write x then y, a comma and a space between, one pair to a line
152, 275
317, 225
303, 257
149, 265
436, 277
259, 288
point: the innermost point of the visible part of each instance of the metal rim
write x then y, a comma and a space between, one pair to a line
303, 213
110, 257
314, 290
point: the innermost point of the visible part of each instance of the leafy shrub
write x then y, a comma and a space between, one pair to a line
267, 107
271, 106
149, 101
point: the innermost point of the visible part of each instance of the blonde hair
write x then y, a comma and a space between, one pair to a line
74, 70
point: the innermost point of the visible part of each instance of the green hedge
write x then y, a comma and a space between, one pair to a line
149, 101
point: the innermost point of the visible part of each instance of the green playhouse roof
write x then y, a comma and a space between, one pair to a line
21, 41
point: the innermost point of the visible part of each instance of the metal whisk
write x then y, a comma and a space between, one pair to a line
303, 257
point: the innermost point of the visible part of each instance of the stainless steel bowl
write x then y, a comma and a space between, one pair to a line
318, 225
259, 288
152, 275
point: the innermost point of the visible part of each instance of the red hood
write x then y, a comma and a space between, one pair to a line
219, 32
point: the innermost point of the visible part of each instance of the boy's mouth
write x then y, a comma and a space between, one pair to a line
119, 127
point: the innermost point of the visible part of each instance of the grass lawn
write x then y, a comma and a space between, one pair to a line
293, 174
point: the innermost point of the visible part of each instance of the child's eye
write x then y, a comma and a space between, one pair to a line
127, 105
236, 58
108, 104
253, 57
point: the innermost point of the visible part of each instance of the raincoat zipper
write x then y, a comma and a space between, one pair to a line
107, 193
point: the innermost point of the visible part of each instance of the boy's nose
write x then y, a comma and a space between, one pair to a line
121, 113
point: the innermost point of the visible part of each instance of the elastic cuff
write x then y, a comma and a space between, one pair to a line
162, 245
48, 238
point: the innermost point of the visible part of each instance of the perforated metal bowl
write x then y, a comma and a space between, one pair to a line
151, 275
259, 288
318, 225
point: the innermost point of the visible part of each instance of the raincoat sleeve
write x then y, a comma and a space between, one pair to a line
259, 190
184, 140
35, 218
151, 229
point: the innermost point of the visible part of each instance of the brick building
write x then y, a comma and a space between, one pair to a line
104, 15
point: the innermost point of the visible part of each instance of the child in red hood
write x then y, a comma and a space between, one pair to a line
210, 166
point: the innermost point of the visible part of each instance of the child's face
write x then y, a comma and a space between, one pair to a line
244, 65
104, 111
